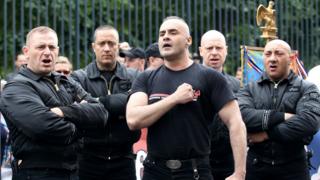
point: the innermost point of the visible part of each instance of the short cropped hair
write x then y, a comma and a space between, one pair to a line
180, 19
40, 29
105, 27
64, 60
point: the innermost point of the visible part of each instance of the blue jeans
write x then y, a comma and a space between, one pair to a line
44, 174
157, 170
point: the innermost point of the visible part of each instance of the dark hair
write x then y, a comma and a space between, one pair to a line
105, 27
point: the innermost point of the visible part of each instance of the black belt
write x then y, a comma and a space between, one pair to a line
174, 164
107, 156
16, 167
177, 163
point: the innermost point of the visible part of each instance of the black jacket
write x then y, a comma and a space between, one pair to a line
263, 104
40, 138
117, 139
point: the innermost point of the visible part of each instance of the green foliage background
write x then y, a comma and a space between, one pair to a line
298, 22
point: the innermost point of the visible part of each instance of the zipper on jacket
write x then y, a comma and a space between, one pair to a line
272, 152
109, 85
275, 93
109, 90
55, 85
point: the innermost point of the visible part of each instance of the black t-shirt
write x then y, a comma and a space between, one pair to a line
183, 132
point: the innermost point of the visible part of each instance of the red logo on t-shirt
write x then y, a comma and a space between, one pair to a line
196, 94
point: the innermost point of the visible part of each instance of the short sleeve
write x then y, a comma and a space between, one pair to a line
140, 83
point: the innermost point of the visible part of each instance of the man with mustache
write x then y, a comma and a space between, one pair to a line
282, 113
47, 113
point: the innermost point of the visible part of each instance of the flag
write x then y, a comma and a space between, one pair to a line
252, 64
297, 66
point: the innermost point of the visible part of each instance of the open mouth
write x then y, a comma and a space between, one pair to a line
273, 67
214, 61
46, 61
166, 45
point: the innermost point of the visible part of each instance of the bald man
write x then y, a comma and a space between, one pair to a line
281, 112
177, 103
213, 50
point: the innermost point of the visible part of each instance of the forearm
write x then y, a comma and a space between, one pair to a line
239, 146
141, 116
86, 115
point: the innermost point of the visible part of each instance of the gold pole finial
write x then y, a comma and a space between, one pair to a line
268, 17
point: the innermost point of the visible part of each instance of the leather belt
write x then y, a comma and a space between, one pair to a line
174, 164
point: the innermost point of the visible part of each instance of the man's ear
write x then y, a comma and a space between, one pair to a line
92, 45
200, 51
226, 50
189, 41
143, 61
25, 51
289, 59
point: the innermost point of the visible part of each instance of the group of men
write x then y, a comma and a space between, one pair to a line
84, 126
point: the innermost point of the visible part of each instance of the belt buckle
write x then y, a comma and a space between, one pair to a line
173, 164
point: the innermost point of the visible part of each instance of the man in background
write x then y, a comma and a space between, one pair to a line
63, 66
134, 58
214, 51
153, 57
20, 60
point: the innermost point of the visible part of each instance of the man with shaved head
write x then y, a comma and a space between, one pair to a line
281, 112
213, 50
177, 103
